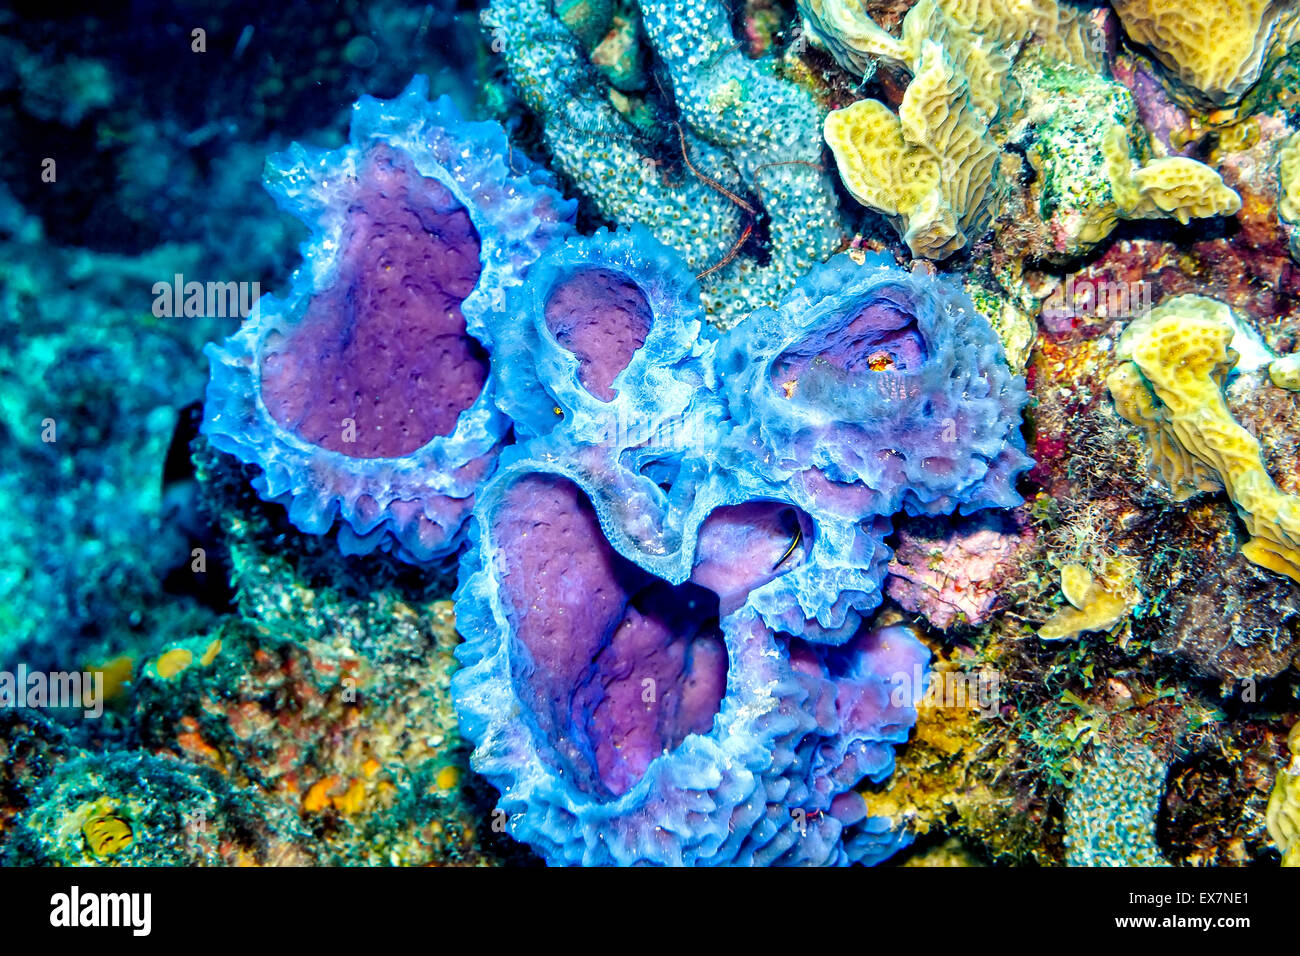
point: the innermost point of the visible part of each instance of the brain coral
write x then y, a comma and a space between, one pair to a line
365, 393
629, 720
869, 390
1215, 48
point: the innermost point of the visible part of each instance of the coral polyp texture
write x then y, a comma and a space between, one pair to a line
627, 720
930, 168
364, 395
1171, 385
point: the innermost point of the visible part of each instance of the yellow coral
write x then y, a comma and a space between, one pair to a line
1285, 372
982, 36
1170, 382
1217, 48
1098, 602
1172, 186
1064, 33
1283, 814
930, 168
106, 831
849, 35
1288, 175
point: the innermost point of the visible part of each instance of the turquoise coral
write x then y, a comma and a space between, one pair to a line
747, 143
1110, 819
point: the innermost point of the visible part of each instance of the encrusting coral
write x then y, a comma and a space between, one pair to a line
1216, 49
1110, 817
745, 145
1174, 364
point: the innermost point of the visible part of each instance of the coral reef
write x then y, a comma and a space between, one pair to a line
1215, 49
363, 394
605, 486
1174, 364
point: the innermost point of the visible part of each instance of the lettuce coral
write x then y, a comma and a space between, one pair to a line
365, 394
931, 168
1169, 186
1216, 49
1173, 366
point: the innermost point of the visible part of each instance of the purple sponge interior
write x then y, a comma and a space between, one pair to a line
602, 317
615, 665
385, 346
880, 338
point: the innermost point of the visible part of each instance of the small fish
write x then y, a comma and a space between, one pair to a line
794, 542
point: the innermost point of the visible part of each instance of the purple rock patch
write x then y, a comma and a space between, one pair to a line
386, 346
